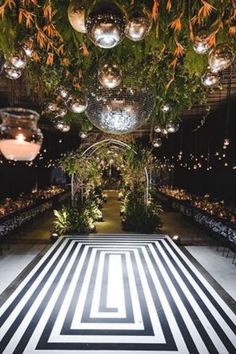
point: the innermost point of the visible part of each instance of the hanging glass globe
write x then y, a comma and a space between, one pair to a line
226, 142
18, 61
51, 107
83, 135
63, 92
221, 57
109, 75
20, 138
164, 131
28, 48
62, 126
11, 73
119, 111
172, 127
210, 79
76, 16
139, 23
157, 142
166, 107
61, 112
105, 24
157, 129
77, 104
201, 43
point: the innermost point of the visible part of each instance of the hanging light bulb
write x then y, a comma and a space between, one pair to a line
11, 72
139, 23
18, 61
62, 126
221, 57
172, 127
105, 24
76, 16
109, 75
201, 43
166, 107
157, 142
210, 78
77, 103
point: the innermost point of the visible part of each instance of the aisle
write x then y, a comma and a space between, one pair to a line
132, 293
111, 215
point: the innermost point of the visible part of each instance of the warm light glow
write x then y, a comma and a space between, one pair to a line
18, 149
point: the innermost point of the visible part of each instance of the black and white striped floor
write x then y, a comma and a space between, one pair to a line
116, 294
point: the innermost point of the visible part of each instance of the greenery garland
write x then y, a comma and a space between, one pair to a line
164, 61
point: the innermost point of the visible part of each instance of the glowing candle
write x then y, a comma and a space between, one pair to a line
19, 149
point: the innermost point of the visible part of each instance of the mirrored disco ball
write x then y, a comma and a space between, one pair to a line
119, 111
105, 24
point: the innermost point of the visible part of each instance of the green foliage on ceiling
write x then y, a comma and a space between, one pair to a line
164, 61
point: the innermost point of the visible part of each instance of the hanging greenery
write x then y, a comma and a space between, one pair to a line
163, 61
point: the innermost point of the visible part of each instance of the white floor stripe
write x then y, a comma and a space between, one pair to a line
116, 253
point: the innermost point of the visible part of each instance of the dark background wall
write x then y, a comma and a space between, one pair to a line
220, 182
17, 177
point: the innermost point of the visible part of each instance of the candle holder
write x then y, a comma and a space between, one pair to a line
20, 138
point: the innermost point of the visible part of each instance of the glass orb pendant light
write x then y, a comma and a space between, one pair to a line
221, 57
105, 24
20, 138
109, 75
76, 15
139, 23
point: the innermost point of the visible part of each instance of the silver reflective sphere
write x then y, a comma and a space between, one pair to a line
76, 16
157, 129
139, 23
51, 107
77, 103
201, 43
119, 111
157, 142
164, 132
61, 112
172, 127
28, 49
109, 75
63, 92
11, 72
221, 57
105, 24
19, 61
166, 107
83, 135
210, 79
62, 126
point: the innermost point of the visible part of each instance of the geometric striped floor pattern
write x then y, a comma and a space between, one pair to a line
116, 294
